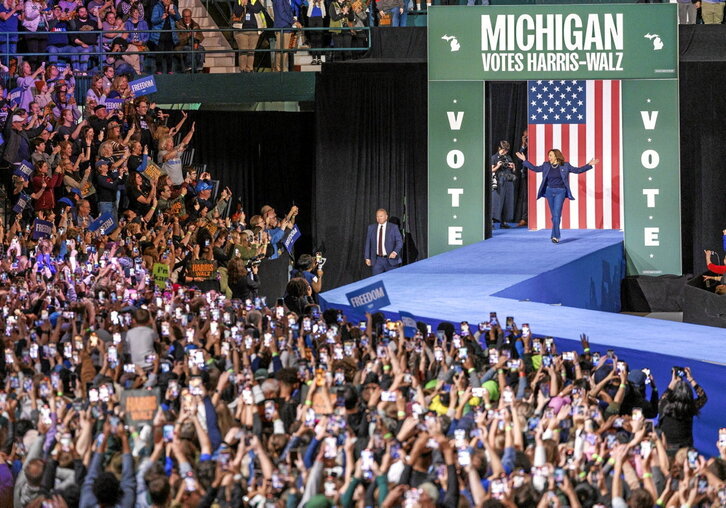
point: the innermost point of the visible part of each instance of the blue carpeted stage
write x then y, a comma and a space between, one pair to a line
560, 290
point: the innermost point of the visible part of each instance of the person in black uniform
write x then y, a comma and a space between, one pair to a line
503, 179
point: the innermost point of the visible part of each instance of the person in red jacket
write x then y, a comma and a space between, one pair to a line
41, 180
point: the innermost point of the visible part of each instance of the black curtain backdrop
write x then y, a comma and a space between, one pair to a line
703, 178
266, 158
506, 119
371, 128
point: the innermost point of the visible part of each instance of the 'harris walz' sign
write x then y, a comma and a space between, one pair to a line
553, 42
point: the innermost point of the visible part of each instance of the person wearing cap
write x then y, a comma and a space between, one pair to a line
203, 191
107, 186
17, 145
99, 119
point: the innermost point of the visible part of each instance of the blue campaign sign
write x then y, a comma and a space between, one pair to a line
23, 201
143, 86
114, 104
369, 298
42, 229
292, 238
409, 323
14, 95
105, 224
23, 169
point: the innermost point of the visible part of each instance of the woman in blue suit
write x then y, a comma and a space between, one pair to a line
555, 183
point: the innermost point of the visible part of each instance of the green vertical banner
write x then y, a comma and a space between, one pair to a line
651, 177
456, 165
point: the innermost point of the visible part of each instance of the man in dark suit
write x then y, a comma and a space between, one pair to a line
383, 244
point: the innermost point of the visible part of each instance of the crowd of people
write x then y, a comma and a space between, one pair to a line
89, 35
124, 278
285, 405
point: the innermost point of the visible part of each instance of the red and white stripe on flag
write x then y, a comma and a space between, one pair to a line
598, 193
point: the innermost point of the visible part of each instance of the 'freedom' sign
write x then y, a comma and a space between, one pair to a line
41, 229
143, 86
369, 298
105, 224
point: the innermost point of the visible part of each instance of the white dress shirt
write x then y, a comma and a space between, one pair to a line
383, 237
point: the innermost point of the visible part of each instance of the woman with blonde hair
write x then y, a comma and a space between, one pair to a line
169, 156
120, 88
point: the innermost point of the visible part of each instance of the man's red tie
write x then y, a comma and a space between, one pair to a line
380, 240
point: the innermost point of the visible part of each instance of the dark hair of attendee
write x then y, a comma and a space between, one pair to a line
558, 155
679, 402
107, 490
640, 498
296, 295
159, 490
350, 396
304, 262
141, 316
236, 270
297, 287
34, 471
330, 316
287, 375
525, 495
447, 328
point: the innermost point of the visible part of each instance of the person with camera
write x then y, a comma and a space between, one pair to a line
243, 278
503, 179
677, 408
310, 269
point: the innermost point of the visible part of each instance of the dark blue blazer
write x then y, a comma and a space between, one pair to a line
393, 242
565, 170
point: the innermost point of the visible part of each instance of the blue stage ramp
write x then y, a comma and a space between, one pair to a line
561, 290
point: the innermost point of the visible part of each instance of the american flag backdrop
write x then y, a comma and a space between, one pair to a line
583, 120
